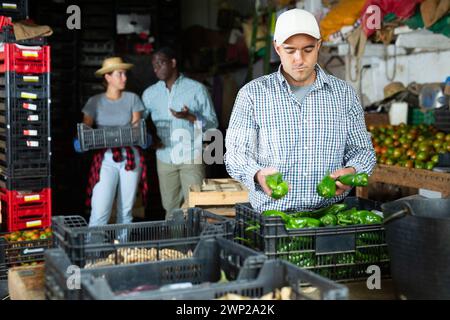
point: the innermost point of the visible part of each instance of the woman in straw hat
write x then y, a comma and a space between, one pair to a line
116, 169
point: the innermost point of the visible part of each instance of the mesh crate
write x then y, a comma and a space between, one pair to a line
16, 9
443, 119
23, 86
81, 242
205, 260
91, 139
273, 275
106, 47
26, 210
7, 35
338, 253
15, 254
24, 59
25, 184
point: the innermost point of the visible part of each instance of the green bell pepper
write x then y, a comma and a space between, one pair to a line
355, 180
327, 187
329, 220
279, 187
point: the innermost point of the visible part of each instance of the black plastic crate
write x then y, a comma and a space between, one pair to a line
273, 275
7, 35
97, 34
14, 254
91, 139
25, 81
198, 260
25, 184
24, 112
21, 86
83, 243
338, 253
16, 9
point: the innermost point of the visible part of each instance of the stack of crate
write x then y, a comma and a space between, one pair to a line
25, 185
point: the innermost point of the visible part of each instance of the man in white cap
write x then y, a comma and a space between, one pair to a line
298, 121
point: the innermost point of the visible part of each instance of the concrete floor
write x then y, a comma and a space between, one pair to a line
359, 291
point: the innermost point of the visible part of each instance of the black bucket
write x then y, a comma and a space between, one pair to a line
418, 238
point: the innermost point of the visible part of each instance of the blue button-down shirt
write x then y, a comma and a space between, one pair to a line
304, 140
182, 140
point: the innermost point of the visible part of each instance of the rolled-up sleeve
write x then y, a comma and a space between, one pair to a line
241, 142
207, 116
359, 152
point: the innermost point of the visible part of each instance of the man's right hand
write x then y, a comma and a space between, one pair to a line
260, 178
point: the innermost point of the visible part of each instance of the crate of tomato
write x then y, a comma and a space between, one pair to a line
339, 242
23, 248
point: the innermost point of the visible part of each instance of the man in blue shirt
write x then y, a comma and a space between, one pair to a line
298, 121
182, 111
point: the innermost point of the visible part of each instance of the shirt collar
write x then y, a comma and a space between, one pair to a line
322, 79
179, 79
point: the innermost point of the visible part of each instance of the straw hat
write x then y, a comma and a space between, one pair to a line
112, 64
393, 88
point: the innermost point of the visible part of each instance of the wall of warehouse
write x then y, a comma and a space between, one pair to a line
425, 67
204, 12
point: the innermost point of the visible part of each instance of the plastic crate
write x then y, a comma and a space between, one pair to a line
416, 117
273, 275
14, 254
21, 86
443, 119
24, 59
97, 34
338, 253
26, 210
16, 9
91, 139
24, 184
106, 47
207, 259
24, 112
7, 35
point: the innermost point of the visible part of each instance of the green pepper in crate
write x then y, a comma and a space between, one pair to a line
355, 180
329, 220
279, 187
365, 217
300, 223
327, 187
344, 218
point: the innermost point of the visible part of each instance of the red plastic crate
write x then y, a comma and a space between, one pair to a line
26, 210
25, 59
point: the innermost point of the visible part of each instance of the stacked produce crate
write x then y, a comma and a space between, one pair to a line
96, 44
24, 132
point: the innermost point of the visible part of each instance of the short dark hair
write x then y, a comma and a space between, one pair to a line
169, 52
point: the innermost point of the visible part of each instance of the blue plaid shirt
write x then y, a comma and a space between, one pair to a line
269, 127
158, 101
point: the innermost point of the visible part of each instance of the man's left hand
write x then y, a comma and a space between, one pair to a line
184, 114
342, 188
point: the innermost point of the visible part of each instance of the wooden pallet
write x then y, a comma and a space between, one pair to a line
218, 195
412, 178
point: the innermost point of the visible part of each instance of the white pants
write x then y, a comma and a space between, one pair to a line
114, 178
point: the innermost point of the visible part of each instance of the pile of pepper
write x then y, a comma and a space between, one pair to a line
327, 187
335, 215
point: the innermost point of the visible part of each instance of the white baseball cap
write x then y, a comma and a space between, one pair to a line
295, 21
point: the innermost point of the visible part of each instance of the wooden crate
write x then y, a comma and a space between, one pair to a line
411, 178
218, 195
27, 283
